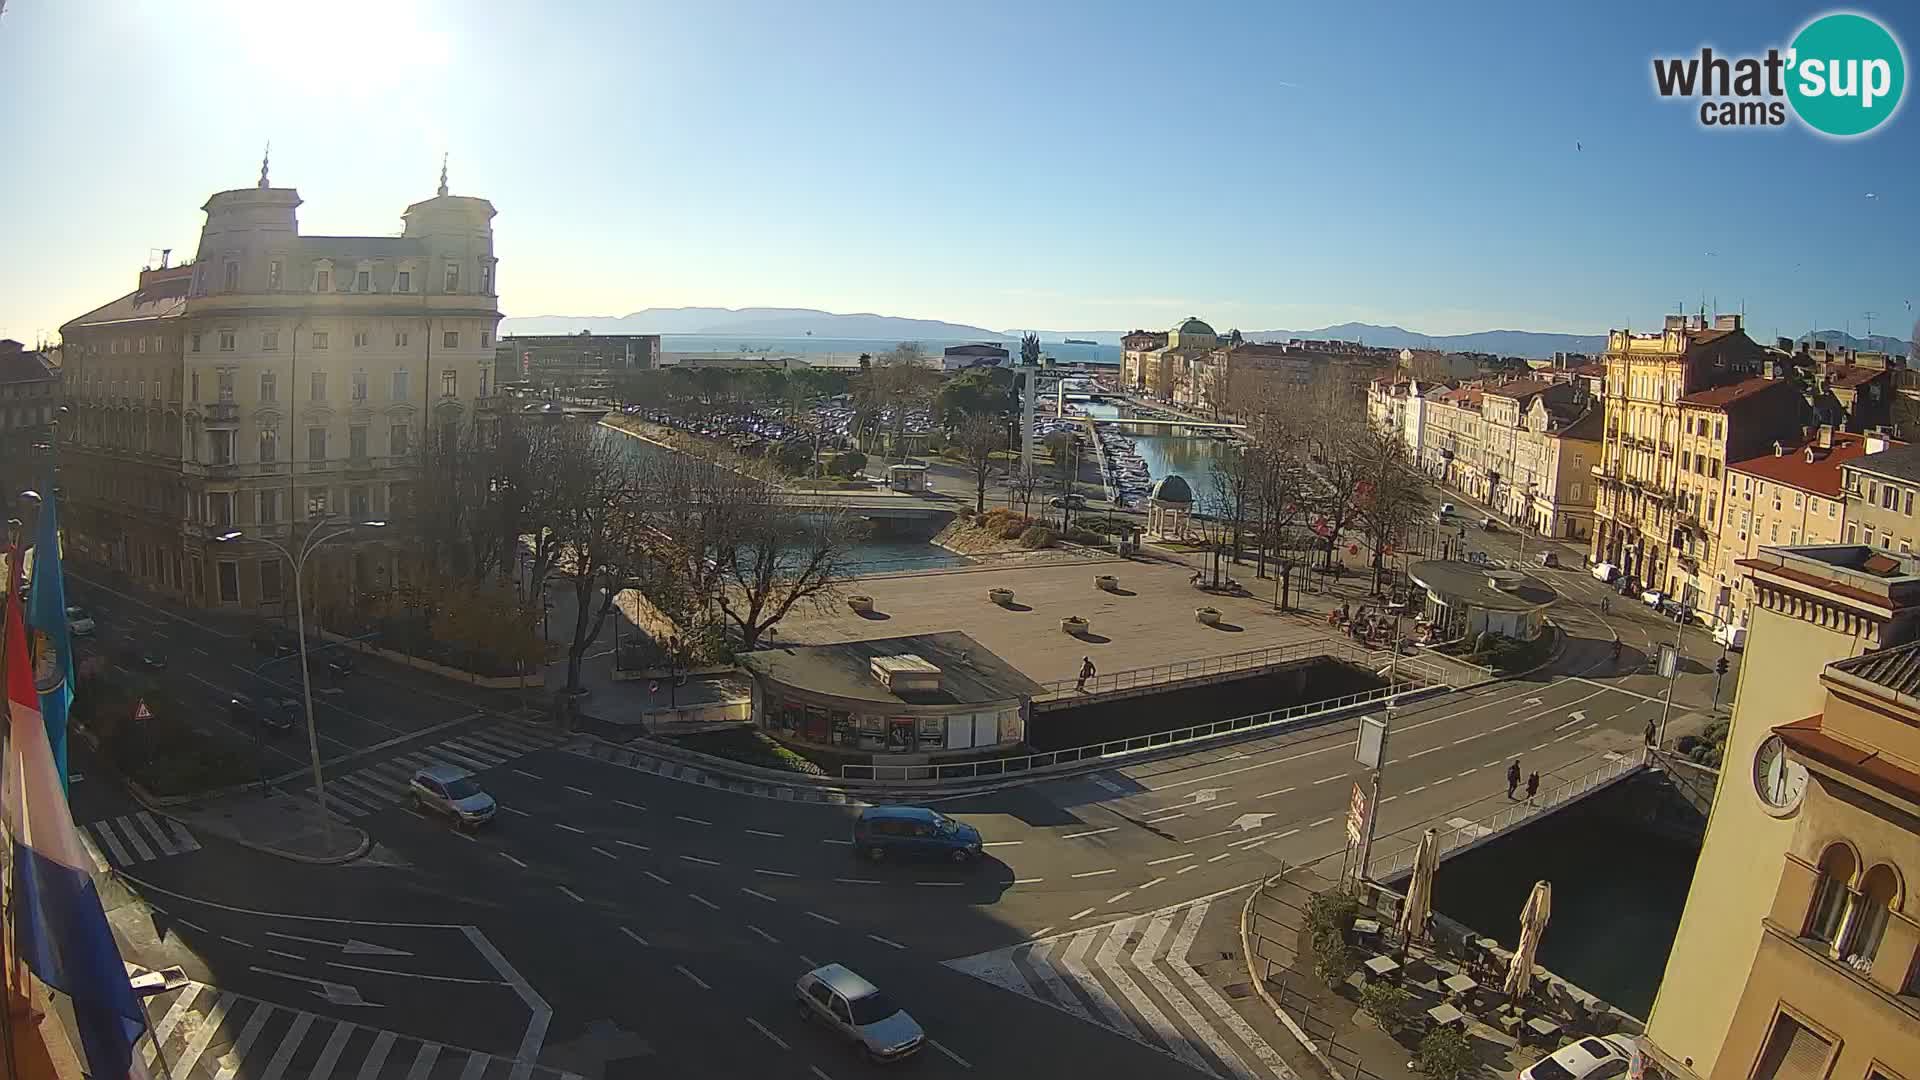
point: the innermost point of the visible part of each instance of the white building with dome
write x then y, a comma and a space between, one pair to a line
1166, 369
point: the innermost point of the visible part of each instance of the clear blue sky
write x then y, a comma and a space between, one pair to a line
1091, 165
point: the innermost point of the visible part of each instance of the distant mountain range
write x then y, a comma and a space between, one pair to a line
753, 322
770, 322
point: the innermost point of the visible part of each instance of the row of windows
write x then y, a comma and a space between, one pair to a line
1850, 910
400, 385
323, 279
322, 340
221, 444
225, 509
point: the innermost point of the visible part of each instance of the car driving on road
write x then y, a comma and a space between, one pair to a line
79, 621
859, 1012
913, 832
453, 792
1593, 1058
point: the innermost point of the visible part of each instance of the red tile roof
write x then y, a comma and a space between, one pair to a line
1720, 397
1846, 377
1820, 477
1520, 389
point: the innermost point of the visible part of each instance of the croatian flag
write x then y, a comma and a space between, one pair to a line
52, 646
59, 927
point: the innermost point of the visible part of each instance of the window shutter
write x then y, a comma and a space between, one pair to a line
1795, 1052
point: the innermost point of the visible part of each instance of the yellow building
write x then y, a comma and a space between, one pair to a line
1790, 495
1812, 606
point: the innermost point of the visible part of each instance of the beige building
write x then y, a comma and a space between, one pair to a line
1741, 958
1554, 449
1163, 369
1880, 489
279, 379
1791, 496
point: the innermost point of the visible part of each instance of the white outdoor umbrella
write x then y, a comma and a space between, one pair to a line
1413, 914
1533, 924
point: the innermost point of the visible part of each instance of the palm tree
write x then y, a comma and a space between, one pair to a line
1030, 349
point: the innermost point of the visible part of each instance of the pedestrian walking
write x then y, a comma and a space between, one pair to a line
1652, 738
1533, 786
1086, 672
1513, 777
1603, 605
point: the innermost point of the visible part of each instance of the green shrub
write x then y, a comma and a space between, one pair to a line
794, 457
1035, 537
847, 464
1446, 1054
1386, 1003
1331, 915
1334, 961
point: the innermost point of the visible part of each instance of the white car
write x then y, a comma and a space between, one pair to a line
1598, 1057
79, 622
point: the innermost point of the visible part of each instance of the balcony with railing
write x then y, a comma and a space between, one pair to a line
221, 414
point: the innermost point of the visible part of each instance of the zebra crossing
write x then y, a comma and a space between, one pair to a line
120, 842
1133, 978
205, 1033
376, 787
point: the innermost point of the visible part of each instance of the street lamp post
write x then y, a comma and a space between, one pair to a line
299, 562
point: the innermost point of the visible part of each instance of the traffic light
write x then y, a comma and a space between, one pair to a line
1720, 666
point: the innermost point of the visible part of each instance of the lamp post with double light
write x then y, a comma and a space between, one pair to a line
298, 559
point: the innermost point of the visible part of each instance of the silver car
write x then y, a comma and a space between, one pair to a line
858, 1010
451, 790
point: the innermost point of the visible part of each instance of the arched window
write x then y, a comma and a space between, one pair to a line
1828, 915
1879, 892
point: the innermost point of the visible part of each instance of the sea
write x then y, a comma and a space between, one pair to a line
848, 350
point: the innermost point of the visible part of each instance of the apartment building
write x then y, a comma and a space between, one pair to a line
29, 396
1880, 488
276, 381
1792, 959
1694, 389
1554, 449
1161, 368
1455, 451
1791, 495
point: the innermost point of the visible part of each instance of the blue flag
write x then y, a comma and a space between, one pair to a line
52, 649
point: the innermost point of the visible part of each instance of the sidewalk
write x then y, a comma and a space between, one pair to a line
279, 823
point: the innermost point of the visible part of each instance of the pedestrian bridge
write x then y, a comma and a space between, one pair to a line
1392, 857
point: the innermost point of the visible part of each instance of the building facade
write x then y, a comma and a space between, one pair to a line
584, 361
1789, 496
277, 381
29, 400
1880, 488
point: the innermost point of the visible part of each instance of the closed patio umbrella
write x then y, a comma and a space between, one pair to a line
1419, 905
1533, 924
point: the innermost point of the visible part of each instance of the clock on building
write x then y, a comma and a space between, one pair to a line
1780, 781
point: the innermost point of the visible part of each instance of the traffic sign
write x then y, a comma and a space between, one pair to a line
141, 712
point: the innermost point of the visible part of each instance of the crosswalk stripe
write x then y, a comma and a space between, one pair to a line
527, 741
1075, 963
1177, 960
339, 804
289, 1046
256, 1020
351, 790
423, 1061
1143, 958
120, 857
1109, 961
203, 1036
488, 739
462, 760
183, 838
181, 1006
132, 836
476, 1065
1056, 987
323, 1067
160, 838
480, 748
377, 1057
1182, 941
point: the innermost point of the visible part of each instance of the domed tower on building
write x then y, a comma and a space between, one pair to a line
1192, 334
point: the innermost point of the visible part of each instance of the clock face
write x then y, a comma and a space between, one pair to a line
1780, 781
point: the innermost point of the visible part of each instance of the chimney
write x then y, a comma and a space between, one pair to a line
1876, 440
165, 254
1826, 436
1676, 322
1779, 448
1726, 322
1784, 344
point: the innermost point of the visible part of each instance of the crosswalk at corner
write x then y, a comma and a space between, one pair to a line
204, 1033
376, 787
117, 843
1133, 978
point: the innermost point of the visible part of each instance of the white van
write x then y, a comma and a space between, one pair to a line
1604, 571
1731, 635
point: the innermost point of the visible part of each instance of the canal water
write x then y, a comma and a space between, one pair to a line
1191, 458
1618, 892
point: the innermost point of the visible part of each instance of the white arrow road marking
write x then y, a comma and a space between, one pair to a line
1531, 702
350, 947
1250, 822
1574, 717
336, 993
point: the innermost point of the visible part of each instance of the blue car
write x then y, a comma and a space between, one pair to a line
913, 832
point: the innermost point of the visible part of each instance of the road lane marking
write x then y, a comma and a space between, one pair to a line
528, 775
569, 828
629, 932
1097, 873
1321, 822
1222, 855
513, 860
1004, 843
843, 843
1271, 794
1330, 779
1568, 724
1028, 880
768, 938
957, 1059
1468, 739
1042, 932
1503, 727
698, 859
631, 844
703, 901
1091, 832
941, 884
1080, 915
1466, 773
857, 880
574, 896
1540, 746
1388, 799
608, 854
1219, 805
815, 1069
1151, 884
1428, 750
1170, 858
771, 1037
235, 941
823, 918
1169, 817
288, 955
1209, 836
1117, 897
889, 942
1184, 869
515, 811
690, 820
628, 805
697, 981
773, 873
1415, 791
578, 790
763, 832
757, 895
656, 877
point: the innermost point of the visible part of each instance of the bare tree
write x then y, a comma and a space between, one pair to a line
978, 436
583, 529
901, 382
1389, 496
468, 505
780, 557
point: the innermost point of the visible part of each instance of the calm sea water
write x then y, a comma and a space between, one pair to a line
849, 349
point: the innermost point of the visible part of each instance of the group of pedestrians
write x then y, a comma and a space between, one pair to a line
1513, 781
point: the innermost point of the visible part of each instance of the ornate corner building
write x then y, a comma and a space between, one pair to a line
275, 381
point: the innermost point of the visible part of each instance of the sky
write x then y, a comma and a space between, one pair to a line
1073, 166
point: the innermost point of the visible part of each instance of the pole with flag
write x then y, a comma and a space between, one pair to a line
47, 618
58, 926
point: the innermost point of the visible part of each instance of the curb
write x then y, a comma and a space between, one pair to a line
364, 845
1260, 984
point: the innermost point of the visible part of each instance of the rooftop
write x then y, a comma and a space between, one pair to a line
1821, 476
1896, 669
19, 364
1902, 463
1482, 586
1734, 393
1520, 389
165, 299
969, 673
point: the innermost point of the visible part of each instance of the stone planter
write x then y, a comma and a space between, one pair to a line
1106, 582
1074, 624
1003, 597
861, 604
1207, 616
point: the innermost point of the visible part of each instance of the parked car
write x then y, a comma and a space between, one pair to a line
1654, 599
453, 792
274, 641
1731, 635
913, 832
1604, 571
1598, 1057
79, 621
1062, 502
1548, 558
859, 1013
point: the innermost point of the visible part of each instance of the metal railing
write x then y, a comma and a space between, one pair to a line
1453, 840
1023, 763
1204, 666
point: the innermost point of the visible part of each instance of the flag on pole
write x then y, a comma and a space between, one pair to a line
59, 927
52, 646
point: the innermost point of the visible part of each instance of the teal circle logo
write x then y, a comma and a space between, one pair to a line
1846, 74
